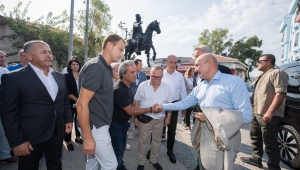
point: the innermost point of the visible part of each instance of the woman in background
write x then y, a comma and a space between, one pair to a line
188, 76
72, 78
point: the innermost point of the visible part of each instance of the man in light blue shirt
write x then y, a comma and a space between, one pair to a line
216, 89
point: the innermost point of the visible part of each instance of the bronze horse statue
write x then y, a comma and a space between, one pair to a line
145, 44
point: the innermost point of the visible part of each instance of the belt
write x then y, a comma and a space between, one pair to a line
175, 101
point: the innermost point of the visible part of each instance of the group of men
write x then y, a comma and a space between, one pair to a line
35, 108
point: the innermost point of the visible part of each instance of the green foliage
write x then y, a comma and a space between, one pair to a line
52, 29
220, 41
99, 22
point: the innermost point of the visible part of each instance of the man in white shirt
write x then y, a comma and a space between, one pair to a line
150, 92
175, 80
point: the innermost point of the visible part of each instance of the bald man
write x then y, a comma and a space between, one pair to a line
219, 90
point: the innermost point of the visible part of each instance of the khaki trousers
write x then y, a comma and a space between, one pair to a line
155, 127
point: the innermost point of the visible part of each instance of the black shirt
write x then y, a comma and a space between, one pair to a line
123, 97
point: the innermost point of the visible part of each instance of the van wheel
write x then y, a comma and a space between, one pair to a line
289, 144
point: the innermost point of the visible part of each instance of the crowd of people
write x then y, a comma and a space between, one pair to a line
106, 102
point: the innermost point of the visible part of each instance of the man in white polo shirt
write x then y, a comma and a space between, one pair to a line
149, 93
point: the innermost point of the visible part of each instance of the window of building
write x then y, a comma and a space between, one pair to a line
296, 40
294, 79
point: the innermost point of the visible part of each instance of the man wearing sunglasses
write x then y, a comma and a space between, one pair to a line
268, 109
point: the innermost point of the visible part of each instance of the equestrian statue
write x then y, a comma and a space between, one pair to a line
142, 41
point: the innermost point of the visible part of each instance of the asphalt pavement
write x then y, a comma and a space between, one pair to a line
186, 155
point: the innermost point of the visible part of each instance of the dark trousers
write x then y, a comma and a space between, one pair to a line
52, 151
171, 131
187, 119
118, 134
68, 136
262, 132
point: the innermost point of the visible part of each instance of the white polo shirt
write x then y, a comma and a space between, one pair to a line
147, 97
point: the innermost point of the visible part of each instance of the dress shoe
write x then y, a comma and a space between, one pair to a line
70, 147
171, 156
148, 155
251, 161
140, 167
79, 141
156, 166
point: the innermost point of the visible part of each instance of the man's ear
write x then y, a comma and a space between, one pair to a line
109, 45
29, 56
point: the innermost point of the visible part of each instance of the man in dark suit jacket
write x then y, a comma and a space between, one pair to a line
35, 109
140, 76
202, 49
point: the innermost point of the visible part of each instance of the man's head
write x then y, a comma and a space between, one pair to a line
139, 64
201, 49
171, 63
156, 74
22, 57
115, 70
265, 62
39, 54
127, 71
206, 66
138, 17
2, 59
113, 48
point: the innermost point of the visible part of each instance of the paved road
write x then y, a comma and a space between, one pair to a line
185, 153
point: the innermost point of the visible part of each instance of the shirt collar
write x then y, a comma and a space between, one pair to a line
104, 62
215, 77
35, 69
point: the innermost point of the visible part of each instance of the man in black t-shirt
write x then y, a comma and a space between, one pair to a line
123, 109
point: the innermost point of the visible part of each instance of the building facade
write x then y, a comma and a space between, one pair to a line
290, 29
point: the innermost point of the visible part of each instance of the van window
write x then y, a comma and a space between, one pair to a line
294, 79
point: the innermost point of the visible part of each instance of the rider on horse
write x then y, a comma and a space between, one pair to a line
137, 31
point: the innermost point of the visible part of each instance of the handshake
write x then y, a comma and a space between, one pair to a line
157, 108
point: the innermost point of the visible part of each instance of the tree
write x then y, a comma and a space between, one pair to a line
247, 49
99, 22
219, 40
221, 43
52, 29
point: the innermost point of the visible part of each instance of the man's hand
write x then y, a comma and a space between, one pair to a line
268, 117
68, 128
167, 121
89, 146
23, 149
136, 121
157, 108
183, 112
200, 116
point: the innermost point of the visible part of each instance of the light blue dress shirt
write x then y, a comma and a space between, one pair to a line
224, 90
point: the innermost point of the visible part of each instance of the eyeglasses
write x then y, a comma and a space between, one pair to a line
156, 77
259, 61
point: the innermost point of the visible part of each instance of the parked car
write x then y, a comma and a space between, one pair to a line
289, 134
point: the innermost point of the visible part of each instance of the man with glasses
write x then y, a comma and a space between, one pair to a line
23, 59
268, 109
150, 92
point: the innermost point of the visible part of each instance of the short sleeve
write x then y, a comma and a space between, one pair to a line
280, 82
121, 99
138, 94
92, 77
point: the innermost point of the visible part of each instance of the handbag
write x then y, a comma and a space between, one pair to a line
144, 118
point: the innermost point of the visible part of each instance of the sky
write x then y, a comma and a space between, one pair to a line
181, 22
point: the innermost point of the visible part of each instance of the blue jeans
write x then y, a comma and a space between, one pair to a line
118, 134
4, 146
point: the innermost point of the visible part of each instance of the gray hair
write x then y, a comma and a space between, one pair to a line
205, 48
123, 67
29, 44
20, 52
171, 56
114, 65
3, 53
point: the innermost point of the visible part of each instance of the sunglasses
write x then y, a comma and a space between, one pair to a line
259, 61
